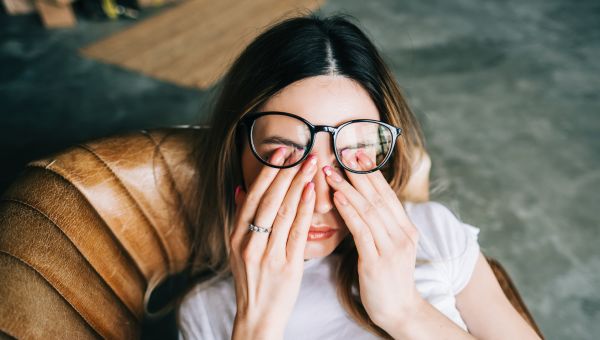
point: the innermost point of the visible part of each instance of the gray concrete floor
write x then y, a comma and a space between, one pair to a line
507, 92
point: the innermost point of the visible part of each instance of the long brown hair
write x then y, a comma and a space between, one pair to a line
288, 51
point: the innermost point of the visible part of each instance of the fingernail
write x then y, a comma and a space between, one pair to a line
340, 198
277, 156
364, 158
308, 191
332, 174
353, 164
310, 164
237, 191
349, 158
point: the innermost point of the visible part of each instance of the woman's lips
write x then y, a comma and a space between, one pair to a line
320, 233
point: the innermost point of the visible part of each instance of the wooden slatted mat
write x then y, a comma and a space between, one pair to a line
193, 43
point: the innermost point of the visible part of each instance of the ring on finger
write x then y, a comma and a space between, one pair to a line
253, 227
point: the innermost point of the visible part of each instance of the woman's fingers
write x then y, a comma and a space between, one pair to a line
247, 207
268, 208
298, 235
365, 210
365, 244
364, 186
288, 209
382, 187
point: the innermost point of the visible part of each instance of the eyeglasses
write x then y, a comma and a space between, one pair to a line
270, 130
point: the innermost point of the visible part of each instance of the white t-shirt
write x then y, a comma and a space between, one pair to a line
207, 312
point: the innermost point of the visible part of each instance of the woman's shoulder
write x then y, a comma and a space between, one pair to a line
442, 234
430, 214
203, 293
448, 243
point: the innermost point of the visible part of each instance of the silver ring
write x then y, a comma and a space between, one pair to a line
253, 227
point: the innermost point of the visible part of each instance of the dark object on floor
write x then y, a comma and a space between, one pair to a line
109, 9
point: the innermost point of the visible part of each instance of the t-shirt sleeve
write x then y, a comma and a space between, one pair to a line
461, 269
455, 242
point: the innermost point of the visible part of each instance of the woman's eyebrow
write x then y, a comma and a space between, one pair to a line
282, 140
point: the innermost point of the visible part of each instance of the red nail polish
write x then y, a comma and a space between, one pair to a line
237, 191
309, 163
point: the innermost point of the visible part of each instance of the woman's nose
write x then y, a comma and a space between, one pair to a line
323, 194
325, 156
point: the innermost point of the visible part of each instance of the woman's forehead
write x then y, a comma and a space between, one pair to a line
324, 100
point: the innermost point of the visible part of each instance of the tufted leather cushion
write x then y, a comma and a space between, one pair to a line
86, 235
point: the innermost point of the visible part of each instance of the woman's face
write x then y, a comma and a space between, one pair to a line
322, 100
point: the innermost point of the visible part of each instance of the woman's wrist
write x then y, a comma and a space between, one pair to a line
403, 317
424, 322
244, 328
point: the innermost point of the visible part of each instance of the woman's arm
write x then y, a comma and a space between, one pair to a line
486, 310
426, 322
483, 306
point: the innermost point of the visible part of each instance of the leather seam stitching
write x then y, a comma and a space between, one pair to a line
36, 210
139, 272
169, 171
128, 193
92, 326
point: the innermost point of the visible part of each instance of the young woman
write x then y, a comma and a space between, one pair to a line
304, 226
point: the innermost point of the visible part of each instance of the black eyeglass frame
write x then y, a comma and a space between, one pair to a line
248, 122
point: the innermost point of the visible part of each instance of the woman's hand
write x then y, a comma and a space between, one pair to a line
385, 238
268, 268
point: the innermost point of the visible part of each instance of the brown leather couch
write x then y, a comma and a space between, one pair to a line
88, 233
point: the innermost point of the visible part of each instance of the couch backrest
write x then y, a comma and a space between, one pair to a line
87, 233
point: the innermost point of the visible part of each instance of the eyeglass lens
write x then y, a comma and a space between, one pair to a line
271, 132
